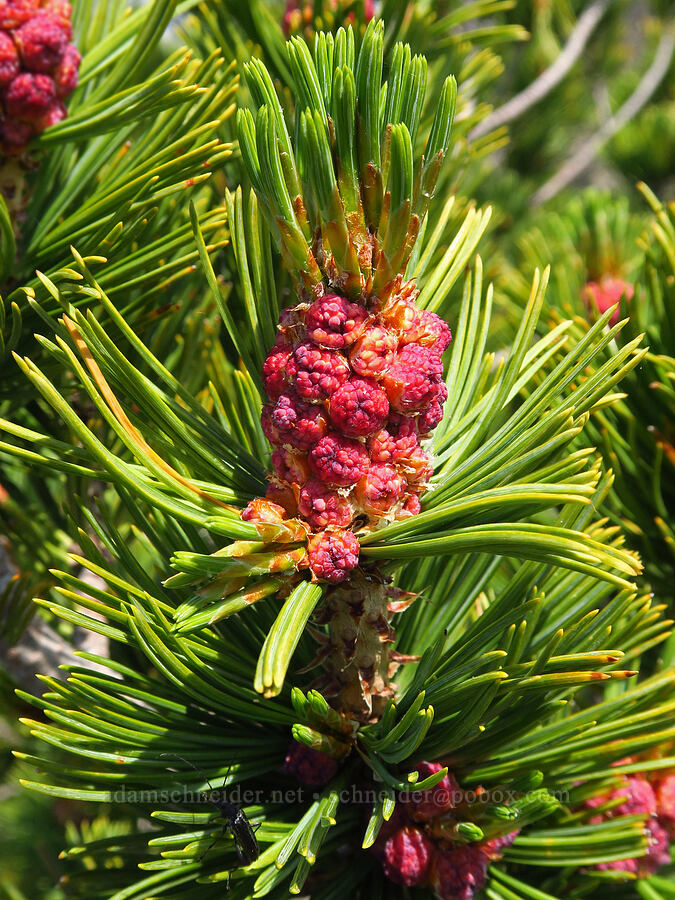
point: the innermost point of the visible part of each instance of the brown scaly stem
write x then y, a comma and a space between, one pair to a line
358, 664
358, 655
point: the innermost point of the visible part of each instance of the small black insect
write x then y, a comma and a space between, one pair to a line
236, 820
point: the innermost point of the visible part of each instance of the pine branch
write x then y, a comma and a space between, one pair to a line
497, 630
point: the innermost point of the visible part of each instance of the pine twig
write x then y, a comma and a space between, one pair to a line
580, 160
550, 78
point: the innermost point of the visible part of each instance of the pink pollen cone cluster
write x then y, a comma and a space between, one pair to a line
309, 766
413, 855
598, 296
637, 797
665, 803
38, 69
351, 394
299, 15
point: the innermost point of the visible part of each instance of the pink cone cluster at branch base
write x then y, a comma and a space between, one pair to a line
664, 789
416, 852
352, 394
309, 766
638, 796
38, 69
598, 296
300, 17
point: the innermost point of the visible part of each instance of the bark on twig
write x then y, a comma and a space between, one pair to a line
580, 160
550, 78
